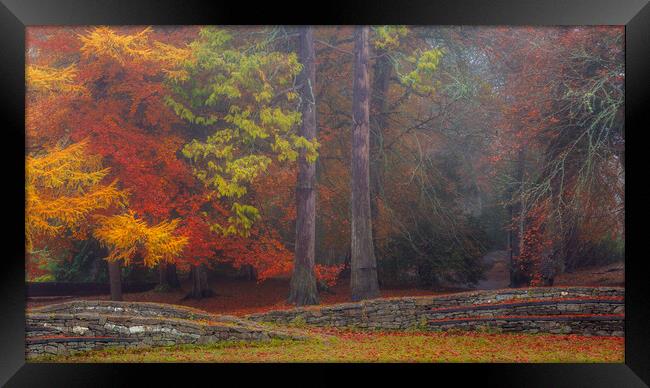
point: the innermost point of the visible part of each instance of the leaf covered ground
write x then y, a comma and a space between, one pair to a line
239, 297
332, 345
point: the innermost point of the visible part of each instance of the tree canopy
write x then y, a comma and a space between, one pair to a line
182, 145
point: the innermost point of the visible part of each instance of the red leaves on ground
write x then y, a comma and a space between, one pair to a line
239, 297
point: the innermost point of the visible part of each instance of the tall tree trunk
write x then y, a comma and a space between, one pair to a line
200, 287
378, 108
363, 279
303, 288
115, 280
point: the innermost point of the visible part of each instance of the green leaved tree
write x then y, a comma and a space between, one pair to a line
241, 102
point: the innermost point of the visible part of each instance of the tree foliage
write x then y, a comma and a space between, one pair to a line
127, 236
180, 144
244, 91
63, 188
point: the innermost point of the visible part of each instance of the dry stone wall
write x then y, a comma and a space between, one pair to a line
583, 325
578, 310
145, 309
84, 325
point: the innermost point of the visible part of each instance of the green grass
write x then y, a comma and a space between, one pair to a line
357, 346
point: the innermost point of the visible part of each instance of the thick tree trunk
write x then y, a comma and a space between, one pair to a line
115, 280
200, 287
378, 109
363, 280
303, 288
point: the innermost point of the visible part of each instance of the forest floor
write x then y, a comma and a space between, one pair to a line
336, 345
241, 297
606, 275
497, 275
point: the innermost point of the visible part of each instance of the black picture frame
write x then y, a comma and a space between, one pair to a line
15, 15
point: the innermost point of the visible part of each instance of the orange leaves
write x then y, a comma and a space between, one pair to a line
137, 49
63, 187
103, 41
263, 251
125, 122
328, 274
126, 236
52, 80
173, 58
536, 243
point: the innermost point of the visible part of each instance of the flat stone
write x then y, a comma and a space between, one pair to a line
79, 330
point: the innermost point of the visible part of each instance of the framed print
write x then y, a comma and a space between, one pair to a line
397, 191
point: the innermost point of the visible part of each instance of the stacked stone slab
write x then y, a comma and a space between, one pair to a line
577, 310
552, 307
84, 325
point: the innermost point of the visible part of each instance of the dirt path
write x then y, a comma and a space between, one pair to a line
497, 275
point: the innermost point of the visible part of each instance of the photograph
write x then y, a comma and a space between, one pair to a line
324, 194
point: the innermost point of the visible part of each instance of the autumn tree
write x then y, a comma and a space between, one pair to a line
116, 103
52, 88
127, 237
240, 103
64, 187
303, 281
132, 125
582, 137
562, 127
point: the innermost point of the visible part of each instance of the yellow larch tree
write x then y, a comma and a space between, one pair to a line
127, 236
46, 79
63, 187
137, 48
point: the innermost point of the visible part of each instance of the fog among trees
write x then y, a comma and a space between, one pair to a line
381, 156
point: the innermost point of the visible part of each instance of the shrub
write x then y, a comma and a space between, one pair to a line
433, 256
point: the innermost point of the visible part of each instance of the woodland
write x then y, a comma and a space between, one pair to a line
378, 156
